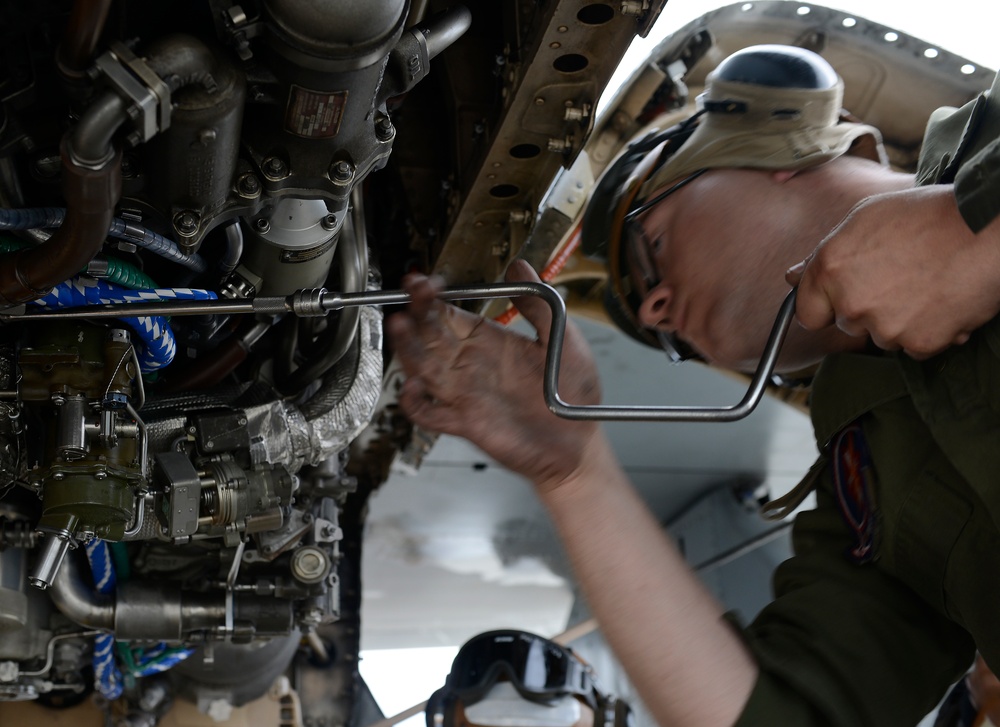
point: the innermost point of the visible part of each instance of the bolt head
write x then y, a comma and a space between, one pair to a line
341, 171
274, 168
249, 185
186, 223
384, 130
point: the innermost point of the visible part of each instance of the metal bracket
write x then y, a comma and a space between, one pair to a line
135, 80
321, 301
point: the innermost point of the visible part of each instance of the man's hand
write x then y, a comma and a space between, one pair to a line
905, 269
470, 377
984, 688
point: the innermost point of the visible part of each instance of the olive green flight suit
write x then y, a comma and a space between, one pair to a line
878, 643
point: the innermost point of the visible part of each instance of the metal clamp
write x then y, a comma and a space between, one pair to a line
136, 82
328, 301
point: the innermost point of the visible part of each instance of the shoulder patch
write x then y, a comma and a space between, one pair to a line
853, 486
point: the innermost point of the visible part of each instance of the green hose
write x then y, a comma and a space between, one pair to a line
119, 272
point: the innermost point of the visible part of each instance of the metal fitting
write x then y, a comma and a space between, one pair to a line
341, 171
522, 217
634, 7
577, 113
186, 223
309, 302
560, 145
310, 564
248, 185
384, 130
274, 168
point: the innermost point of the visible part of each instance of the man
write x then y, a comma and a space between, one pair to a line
878, 611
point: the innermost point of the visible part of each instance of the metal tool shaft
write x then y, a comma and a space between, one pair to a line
320, 302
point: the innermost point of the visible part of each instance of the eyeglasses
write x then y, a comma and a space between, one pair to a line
641, 256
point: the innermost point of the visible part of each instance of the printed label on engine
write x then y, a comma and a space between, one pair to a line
303, 256
314, 114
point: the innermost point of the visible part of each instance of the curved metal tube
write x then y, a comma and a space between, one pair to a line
747, 404
182, 60
234, 249
89, 143
86, 22
78, 602
92, 176
443, 30
91, 196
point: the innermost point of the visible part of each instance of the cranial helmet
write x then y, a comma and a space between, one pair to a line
764, 107
514, 678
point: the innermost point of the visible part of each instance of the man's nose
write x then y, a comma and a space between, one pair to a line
654, 312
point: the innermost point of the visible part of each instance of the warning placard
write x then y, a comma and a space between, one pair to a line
314, 114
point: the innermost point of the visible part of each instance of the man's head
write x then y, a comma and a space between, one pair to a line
516, 679
698, 222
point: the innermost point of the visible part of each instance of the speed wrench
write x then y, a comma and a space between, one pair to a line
319, 302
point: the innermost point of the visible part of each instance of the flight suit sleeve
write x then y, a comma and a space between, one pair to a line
962, 146
977, 187
977, 182
846, 645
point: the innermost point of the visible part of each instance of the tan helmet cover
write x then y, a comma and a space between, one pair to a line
764, 127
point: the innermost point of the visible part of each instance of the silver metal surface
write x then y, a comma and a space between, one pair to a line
47, 564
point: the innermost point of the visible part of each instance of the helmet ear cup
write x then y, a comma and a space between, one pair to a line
434, 713
599, 213
623, 714
616, 713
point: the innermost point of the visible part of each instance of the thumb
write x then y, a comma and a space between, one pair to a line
793, 276
813, 305
535, 310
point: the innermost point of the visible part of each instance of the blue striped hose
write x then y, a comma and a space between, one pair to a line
159, 659
51, 217
158, 344
107, 677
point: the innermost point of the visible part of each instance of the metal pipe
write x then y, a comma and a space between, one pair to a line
50, 560
80, 603
91, 195
50, 651
92, 167
86, 23
182, 60
89, 143
234, 249
443, 30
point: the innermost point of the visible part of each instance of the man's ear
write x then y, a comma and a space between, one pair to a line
783, 175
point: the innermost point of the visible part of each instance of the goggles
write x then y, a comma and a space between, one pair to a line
540, 670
